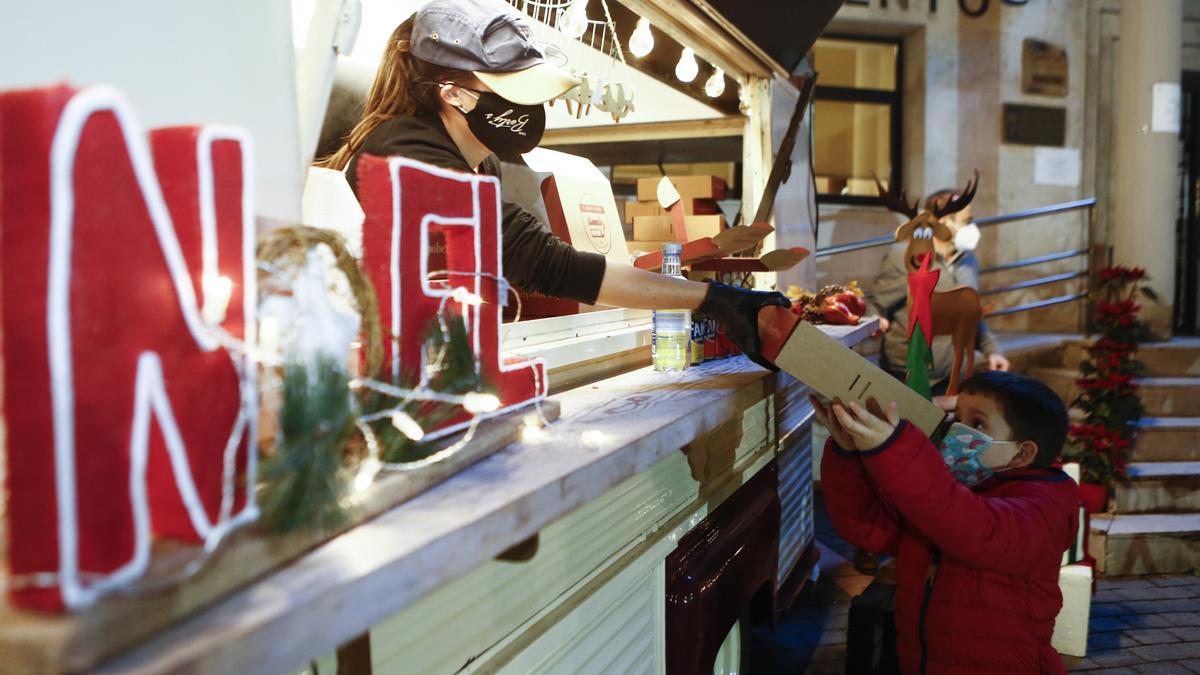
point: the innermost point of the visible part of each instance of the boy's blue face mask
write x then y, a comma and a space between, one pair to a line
972, 456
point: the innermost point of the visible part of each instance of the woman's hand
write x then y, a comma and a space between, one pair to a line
997, 362
884, 324
826, 419
868, 429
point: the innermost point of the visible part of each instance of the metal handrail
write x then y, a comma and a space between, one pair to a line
1035, 260
1041, 281
856, 245
1039, 304
1027, 214
1036, 213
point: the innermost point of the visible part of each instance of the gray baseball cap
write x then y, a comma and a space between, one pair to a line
491, 39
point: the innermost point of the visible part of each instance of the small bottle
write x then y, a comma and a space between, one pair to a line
672, 330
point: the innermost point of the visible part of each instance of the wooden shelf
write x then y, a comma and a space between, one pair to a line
608, 432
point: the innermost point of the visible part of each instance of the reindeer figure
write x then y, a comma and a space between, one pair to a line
956, 312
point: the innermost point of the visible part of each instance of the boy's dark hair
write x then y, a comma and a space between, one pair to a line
1033, 411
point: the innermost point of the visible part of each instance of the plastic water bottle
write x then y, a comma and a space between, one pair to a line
672, 329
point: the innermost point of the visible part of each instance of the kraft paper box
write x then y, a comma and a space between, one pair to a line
582, 212
689, 187
835, 371
580, 203
659, 228
691, 207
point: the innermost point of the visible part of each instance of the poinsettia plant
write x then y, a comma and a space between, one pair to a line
1108, 394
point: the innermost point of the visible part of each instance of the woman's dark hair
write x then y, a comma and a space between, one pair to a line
404, 85
1032, 410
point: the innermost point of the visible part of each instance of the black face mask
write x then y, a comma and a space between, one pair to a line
507, 129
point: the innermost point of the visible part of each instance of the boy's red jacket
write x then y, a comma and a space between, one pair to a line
976, 568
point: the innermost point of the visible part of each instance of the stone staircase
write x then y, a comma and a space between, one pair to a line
1156, 525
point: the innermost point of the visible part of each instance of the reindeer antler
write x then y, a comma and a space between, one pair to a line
961, 201
895, 200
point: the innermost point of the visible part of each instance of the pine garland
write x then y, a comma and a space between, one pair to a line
306, 480
456, 376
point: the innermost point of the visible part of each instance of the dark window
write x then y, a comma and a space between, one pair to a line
856, 117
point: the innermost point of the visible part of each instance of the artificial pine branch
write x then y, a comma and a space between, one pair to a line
306, 480
456, 376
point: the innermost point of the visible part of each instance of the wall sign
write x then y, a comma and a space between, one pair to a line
1165, 107
1057, 166
1043, 68
1035, 125
972, 8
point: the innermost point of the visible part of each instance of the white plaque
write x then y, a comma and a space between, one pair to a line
1164, 114
1056, 166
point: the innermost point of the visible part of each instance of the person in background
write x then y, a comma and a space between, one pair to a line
978, 525
461, 86
888, 298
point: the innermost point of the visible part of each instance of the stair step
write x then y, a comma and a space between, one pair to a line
1161, 396
1167, 439
1159, 487
1177, 357
1138, 544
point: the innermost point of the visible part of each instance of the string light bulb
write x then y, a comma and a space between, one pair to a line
366, 474
217, 292
573, 21
715, 86
476, 402
462, 295
641, 41
687, 69
406, 425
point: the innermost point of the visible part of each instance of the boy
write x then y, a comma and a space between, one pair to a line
978, 543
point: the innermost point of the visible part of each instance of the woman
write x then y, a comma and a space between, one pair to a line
460, 84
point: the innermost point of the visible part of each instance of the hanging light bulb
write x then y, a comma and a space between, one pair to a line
573, 21
687, 69
642, 40
715, 86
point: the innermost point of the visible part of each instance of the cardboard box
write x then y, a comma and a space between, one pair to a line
691, 207
689, 187
659, 228
653, 228
835, 371
582, 212
647, 246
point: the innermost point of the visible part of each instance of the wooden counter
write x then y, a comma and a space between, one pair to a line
615, 452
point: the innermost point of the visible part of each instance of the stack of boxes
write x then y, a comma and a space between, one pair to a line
652, 227
652, 224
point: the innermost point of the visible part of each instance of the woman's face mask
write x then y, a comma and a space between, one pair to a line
507, 129
972, 456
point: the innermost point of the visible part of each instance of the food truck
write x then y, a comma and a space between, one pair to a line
192, 487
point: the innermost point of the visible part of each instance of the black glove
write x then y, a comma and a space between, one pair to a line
737, 310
